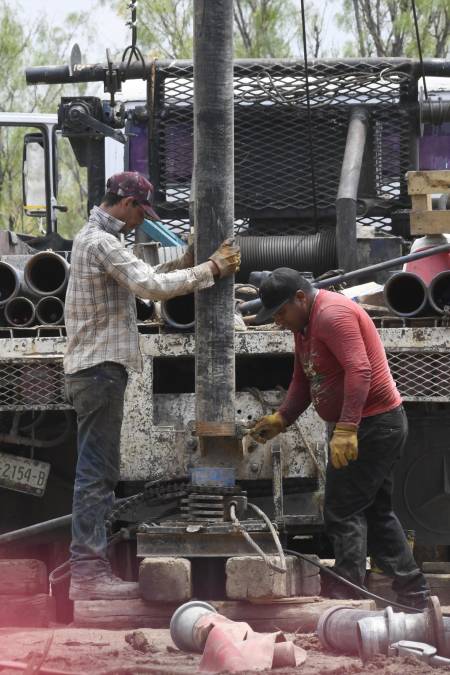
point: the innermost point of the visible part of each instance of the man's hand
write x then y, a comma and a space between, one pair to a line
268, 427
227, 258
344, 444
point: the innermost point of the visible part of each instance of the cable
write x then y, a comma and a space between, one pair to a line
355, 587
273, 532
238, 525
419, 47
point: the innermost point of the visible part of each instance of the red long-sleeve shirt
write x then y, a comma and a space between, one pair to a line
340, 365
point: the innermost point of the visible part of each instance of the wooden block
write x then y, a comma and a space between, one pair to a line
436, 567
440, 586
23, 577
429, 222
428, 182
124, 613
35, 611
421, 203
288, 616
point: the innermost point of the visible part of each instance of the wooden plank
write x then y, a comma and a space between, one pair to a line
429, 222
428, 182
440, 586
23, 577
290, 616
36, 611
421, 203
436, 567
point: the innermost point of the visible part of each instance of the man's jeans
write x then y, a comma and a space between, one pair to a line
358, 509
97, 395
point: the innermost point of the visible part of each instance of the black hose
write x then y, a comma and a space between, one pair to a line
314, 253
355, 587
145, 309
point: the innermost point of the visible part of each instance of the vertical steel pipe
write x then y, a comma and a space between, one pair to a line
346, 244
214, 213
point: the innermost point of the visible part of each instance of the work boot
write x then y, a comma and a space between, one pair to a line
104, 586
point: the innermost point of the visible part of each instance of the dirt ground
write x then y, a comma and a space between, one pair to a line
88, 651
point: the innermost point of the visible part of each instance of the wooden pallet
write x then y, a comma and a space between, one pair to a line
421, 186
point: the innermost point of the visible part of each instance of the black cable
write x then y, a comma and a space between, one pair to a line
419, 47
308, 107
360, 589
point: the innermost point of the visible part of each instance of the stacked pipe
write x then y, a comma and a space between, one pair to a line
35, 294
422, 287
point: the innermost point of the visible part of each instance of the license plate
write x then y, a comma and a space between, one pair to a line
23, 475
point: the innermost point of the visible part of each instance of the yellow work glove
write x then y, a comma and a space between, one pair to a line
227, 258
344, 444
268, 427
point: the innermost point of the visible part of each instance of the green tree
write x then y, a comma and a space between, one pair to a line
263, 28
22, 46
386, 27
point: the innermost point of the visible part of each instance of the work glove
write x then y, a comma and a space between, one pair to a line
268, 427
227, 258
344, 444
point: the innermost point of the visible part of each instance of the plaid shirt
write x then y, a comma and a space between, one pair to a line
105, 277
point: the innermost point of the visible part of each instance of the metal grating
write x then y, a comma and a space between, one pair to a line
421, 376
273, 188
32, 384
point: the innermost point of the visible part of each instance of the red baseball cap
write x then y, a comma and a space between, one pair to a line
134, 184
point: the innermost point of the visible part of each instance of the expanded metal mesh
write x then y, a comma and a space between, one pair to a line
32, 384
274, 192
38, 384
421, 376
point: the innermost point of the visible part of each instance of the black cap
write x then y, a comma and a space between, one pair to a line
275, 291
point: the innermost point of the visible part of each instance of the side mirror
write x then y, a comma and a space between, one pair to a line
33, 175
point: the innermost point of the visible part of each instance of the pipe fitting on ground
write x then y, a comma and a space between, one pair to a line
406, 295
183, 623
47, 273
371, 632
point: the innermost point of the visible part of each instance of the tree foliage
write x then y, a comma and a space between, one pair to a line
23, 45
385, 28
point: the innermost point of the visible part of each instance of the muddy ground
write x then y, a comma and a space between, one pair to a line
93, 651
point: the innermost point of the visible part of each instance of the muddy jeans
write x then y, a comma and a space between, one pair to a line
97, 395
358, 509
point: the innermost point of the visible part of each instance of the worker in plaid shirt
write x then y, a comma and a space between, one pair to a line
103, 343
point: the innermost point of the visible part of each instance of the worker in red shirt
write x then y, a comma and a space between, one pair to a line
341, 367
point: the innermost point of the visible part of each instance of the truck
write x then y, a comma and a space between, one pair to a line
294, 206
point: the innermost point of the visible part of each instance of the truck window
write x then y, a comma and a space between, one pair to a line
12, 214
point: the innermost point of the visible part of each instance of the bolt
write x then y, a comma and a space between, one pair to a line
254, 467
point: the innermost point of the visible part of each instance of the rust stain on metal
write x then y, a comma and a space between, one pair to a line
215, 428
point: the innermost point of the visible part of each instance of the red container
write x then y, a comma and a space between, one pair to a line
428, 268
